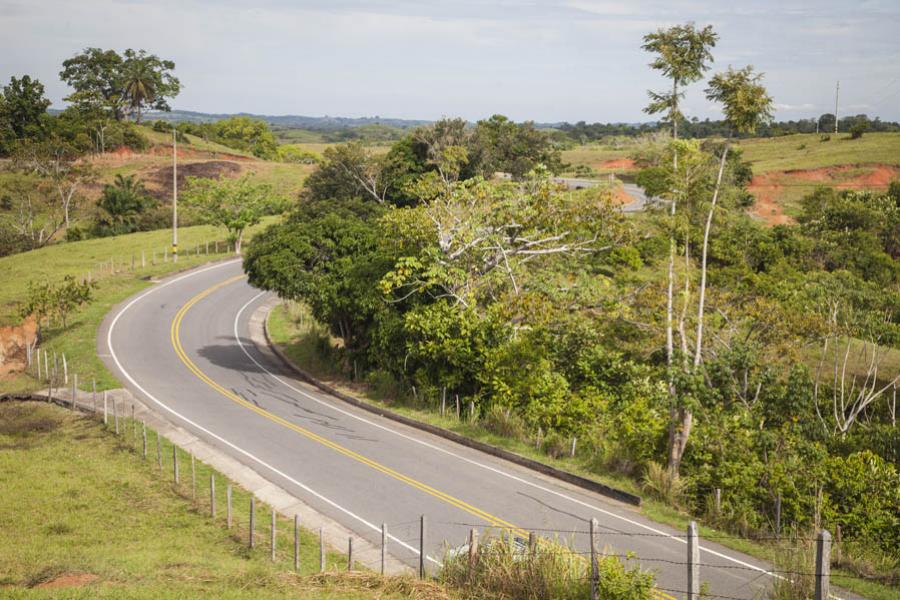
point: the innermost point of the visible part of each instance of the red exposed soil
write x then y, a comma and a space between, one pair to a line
618, 163
13, 343
621, 197
767, 188
68, 580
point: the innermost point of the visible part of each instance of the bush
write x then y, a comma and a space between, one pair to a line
504, 568
666, 485
504, 422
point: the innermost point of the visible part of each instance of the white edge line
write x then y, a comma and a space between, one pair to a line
206, 431
476, 463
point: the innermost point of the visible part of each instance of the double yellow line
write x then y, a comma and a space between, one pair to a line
444, 497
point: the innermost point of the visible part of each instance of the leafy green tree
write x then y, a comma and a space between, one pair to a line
23, 111
118, 84
96, 77
348, 171
69, 295
683, 54
231, 203
326, 255
501, 145
148, 81
247, 134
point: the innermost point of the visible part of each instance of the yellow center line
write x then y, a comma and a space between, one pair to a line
175, 335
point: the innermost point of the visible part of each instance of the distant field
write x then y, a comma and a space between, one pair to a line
788, 168
82, 516
806, 151
195, 143
600, 158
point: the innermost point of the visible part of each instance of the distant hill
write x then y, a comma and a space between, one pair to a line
288, 121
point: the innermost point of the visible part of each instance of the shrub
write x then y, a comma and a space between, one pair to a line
666, 485
504, 568
504, 422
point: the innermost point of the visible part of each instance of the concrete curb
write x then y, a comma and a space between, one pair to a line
571, 478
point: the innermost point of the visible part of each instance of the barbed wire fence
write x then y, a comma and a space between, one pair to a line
409, 540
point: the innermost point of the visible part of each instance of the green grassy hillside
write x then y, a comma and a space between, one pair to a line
52, 263
83, 516
807, 151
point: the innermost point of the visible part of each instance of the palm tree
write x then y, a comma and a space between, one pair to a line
140, 85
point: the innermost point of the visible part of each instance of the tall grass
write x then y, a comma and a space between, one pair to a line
502, 568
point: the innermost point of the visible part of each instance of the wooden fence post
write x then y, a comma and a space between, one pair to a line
158, 452
473, 550
778, 516
718, 501
574, 441
457, 407
823, 564
93, 394
143, 259
116, 415
228, 505
693, 562
144, 436
383, 546
274, 518
321, 550
175, 464
212, 495
193, 478
65, 370
252, 518
595, 567
74, 388
349, 553
422, 544
296, 518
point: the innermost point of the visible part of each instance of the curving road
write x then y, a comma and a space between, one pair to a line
183, 346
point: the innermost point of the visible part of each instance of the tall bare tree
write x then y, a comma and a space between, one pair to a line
683, 54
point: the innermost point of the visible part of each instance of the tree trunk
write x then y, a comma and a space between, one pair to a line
698, 350
680, 424
238, 239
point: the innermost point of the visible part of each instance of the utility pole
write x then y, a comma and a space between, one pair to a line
174, 194
837, 91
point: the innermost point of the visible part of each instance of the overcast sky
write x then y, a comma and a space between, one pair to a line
544, 60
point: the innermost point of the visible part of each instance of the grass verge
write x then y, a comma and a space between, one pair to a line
52, 263
84, 516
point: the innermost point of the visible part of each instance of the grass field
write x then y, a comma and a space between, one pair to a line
54, 262
806, 151
603, 159
83, 516
162, 138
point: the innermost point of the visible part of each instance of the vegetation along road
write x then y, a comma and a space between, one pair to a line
184, 347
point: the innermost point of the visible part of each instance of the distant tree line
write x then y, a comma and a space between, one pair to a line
582, 132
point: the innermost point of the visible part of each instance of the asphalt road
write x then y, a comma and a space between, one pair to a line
638, 203
183, 347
